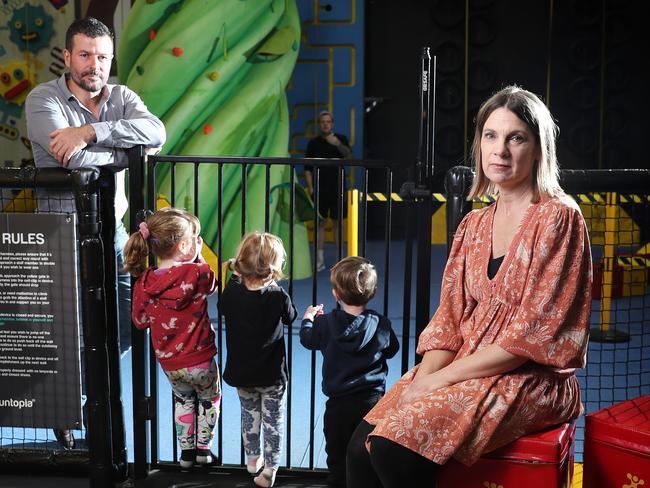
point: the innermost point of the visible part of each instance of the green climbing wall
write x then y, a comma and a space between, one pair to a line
215, 72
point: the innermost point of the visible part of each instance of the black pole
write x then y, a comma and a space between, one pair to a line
107, 209
408, 278
138, 365
424, 172
93, 312
458, 181
424, 162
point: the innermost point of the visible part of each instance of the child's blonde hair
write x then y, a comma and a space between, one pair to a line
260, 256
161, 231
355, 280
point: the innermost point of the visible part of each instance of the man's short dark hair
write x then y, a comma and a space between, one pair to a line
89, 27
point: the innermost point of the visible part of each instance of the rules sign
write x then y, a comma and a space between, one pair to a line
39, 321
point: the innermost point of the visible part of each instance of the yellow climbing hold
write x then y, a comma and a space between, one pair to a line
214, 76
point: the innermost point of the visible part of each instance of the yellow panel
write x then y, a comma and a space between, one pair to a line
577, 476
24, 201
439, 226
628, 232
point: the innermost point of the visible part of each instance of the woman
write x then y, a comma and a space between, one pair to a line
499, 353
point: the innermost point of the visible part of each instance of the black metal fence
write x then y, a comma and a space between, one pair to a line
206, 177
615, 204
101, 451
616, 208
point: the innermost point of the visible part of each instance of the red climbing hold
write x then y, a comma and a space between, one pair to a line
207, 128
152, 35
177, 51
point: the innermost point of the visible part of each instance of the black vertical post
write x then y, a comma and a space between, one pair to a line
364, 213
408, 278
93, 313
424, 173
267, 193
290, 259
107, 209
314, 292
387, 234
152, 399
140, 399
457, 183
221, 277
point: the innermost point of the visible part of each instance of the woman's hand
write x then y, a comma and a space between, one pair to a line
423, 385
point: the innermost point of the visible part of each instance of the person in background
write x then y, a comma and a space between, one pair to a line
330, 146
500, 353
256, 309
81, 120
356, 342
171, 299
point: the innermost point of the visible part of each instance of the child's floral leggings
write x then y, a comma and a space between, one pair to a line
263, 406
200, 382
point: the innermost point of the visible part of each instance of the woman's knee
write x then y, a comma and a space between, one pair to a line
357, 452
359, 471
383, 451
393, 463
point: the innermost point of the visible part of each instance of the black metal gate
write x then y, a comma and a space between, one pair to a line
148, 435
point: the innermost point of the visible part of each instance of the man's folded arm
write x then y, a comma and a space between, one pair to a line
137, 127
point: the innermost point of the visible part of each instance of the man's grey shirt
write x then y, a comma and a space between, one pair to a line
124, 121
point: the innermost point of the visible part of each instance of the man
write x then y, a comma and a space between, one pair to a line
331, 146
80, 120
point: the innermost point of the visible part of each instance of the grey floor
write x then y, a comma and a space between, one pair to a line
165, 479
26, 480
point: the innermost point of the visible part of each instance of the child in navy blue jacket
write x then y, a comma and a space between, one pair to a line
355, 342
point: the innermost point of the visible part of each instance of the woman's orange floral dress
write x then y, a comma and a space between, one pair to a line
537, 305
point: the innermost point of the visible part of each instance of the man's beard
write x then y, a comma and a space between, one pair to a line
90, 86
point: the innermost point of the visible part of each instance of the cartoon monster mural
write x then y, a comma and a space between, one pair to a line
31, 28
16, 80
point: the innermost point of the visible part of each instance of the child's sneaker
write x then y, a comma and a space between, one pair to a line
187, 458
205, 456
254, 464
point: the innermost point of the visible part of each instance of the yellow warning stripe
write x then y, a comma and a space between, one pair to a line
485, 199
587, 198
602, 198
634, 198
591, 197
634, 261
381, 197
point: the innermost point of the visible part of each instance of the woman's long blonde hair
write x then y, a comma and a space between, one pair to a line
532, 111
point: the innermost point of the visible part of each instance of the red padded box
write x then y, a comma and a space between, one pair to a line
539, 460
617, 445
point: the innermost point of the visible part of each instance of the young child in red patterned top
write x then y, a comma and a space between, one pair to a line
171, 300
